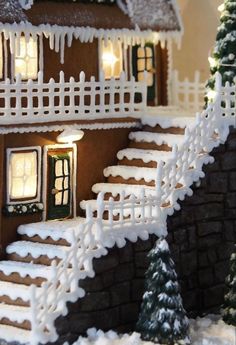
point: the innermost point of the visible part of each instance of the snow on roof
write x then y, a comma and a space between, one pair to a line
11, 11
158, 15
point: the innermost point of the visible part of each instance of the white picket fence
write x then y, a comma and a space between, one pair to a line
34, 102
135, 217
186, 94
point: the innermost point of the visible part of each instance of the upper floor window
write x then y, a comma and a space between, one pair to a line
26, 59
111, 59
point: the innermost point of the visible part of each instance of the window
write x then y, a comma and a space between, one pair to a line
26, 59
1, 58
145, 62
23, 174
111, 59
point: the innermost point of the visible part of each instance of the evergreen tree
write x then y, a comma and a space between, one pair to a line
224, 54
162, 318
229, 310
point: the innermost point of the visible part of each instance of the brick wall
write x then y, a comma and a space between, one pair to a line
201, 238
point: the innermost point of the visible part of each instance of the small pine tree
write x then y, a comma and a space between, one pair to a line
229, 308
224, 54
162, 318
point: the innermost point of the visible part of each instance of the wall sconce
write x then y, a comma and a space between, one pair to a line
69, 135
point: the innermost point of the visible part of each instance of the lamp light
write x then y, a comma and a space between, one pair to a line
221, 8
69, 135
212, 61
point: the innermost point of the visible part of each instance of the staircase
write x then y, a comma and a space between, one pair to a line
41, 271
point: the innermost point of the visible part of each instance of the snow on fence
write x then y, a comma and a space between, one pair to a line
188, 95
136, 216
38, 101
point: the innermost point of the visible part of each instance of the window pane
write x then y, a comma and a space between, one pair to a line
58, 168
58, 183
26, 60
58, 199
23, 175
65, 199
149, 64
141, 64
148, 52
111, 55
141, 52
1, 58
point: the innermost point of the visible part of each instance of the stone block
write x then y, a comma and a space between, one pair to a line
92, 284
129, 313
209, 211
120, 293
221, 271
205, 277
232, 180
229, 231
191, 300
225, 250
188, 263
192, 237
209, 241
95, 301
108, 278
143, 246
231, 200
212, 255
106, 263
214, 296
203, 259
229, 161
124, 272
137, 289
180, 236
126, 253
231, 143
141, 260
209, 228
217, 182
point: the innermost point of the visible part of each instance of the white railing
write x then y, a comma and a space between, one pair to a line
188, 95
134, 217
36, 102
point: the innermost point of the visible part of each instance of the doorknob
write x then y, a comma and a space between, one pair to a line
54, 191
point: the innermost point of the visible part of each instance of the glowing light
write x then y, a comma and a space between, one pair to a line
26, 59
212, 61
221, 8
70, 135
211, 94
109, 58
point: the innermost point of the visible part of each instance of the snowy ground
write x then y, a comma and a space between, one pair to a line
204, 331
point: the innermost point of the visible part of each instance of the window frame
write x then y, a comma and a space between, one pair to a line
101, 42
14, 60
24, 200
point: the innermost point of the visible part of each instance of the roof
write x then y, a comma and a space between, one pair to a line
157, 15
11, 11
78, 15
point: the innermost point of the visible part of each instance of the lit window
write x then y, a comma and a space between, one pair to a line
145, 62
111, 59
1, 59
26, 62
23, 174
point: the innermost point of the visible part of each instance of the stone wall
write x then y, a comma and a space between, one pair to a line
201, 238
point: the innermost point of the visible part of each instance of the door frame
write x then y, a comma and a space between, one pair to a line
46, 149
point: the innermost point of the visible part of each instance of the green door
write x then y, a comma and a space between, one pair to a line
59, 186
144, 60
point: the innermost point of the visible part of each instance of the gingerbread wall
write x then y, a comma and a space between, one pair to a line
201, 238
95, 151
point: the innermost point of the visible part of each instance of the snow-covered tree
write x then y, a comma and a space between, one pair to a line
223, 59
162, 317
229, 310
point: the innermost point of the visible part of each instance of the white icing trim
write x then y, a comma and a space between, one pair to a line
9, 151
60, 128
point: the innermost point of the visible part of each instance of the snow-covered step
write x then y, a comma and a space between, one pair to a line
157, 138
167, 117
56, 230
127, 172
24, 248
117, 188
15, 313
15, 291
25, 269
145, 155
10, 334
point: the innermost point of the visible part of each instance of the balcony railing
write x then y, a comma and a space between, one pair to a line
39, 102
